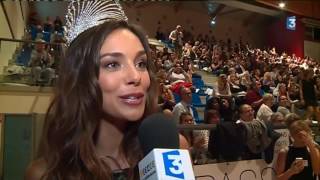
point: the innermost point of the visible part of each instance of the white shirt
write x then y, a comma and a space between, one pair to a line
264, 113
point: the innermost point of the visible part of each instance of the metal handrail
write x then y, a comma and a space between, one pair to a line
28, 41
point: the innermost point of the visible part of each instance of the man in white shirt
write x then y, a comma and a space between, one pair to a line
264, 113
184, 105
246, 113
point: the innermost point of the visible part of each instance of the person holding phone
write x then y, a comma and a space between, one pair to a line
301, 160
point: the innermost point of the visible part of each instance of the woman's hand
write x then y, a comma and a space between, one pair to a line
297, 166
306, 138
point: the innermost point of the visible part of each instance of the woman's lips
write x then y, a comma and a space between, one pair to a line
132, 99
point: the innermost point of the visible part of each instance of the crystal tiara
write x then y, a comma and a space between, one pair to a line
85, 14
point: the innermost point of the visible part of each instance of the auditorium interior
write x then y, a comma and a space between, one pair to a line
230, 53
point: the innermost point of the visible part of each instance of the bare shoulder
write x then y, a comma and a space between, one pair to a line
283, 152
36, 170
183, 142
282, 155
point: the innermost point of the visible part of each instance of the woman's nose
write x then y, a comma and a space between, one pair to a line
133, 75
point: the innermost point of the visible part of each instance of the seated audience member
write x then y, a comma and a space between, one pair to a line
40, 63
184, 105
212, 117
58, 24
216, 66
158, 65
254, 95
245, 80
166, 98
301, 159
280, 90
264, 113
277, 119
195, 138
267, 82
48, 25
177, 74
294, 95
167, 63
213, 103
235, 85
223, 87
256, 75
284, 105
226, 110
187, 66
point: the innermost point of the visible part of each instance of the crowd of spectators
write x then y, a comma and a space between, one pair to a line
256, 88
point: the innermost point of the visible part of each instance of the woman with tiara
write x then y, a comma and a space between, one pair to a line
105, 88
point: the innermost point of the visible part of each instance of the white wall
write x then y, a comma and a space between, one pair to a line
150, 13
312, 49
228, 26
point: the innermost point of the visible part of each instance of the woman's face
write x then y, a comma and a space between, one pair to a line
178, 68
283, 88
124, 79
186, 119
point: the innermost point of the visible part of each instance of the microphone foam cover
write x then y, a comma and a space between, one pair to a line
158, 131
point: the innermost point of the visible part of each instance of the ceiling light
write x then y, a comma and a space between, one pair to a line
282, 4
213, 21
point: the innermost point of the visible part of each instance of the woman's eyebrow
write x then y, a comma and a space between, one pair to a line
113, 54
120, 54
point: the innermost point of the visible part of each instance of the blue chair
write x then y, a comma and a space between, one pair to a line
177, 97
33, 32
197, 119
196, 100
46, 36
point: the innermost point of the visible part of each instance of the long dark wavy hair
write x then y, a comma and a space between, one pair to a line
73, 118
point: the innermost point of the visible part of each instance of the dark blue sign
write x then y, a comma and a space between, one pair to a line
291, 23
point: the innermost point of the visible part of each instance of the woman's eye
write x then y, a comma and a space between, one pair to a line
142, 64
111, 66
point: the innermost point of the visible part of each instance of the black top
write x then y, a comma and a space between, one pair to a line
309, 93
300, 152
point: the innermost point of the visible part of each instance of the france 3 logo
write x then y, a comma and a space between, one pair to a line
291, 23
173, 164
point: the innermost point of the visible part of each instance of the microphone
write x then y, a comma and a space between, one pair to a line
159, 140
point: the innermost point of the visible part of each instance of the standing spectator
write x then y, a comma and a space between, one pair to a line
176, 38
308, 93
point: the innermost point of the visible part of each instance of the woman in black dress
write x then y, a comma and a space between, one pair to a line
308, 95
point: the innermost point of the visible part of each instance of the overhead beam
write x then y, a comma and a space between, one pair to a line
249, 7
217, 10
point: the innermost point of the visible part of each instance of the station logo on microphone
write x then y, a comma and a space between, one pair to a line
166, 164
173, 164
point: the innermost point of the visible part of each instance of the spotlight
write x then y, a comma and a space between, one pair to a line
282, 4
213, 21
